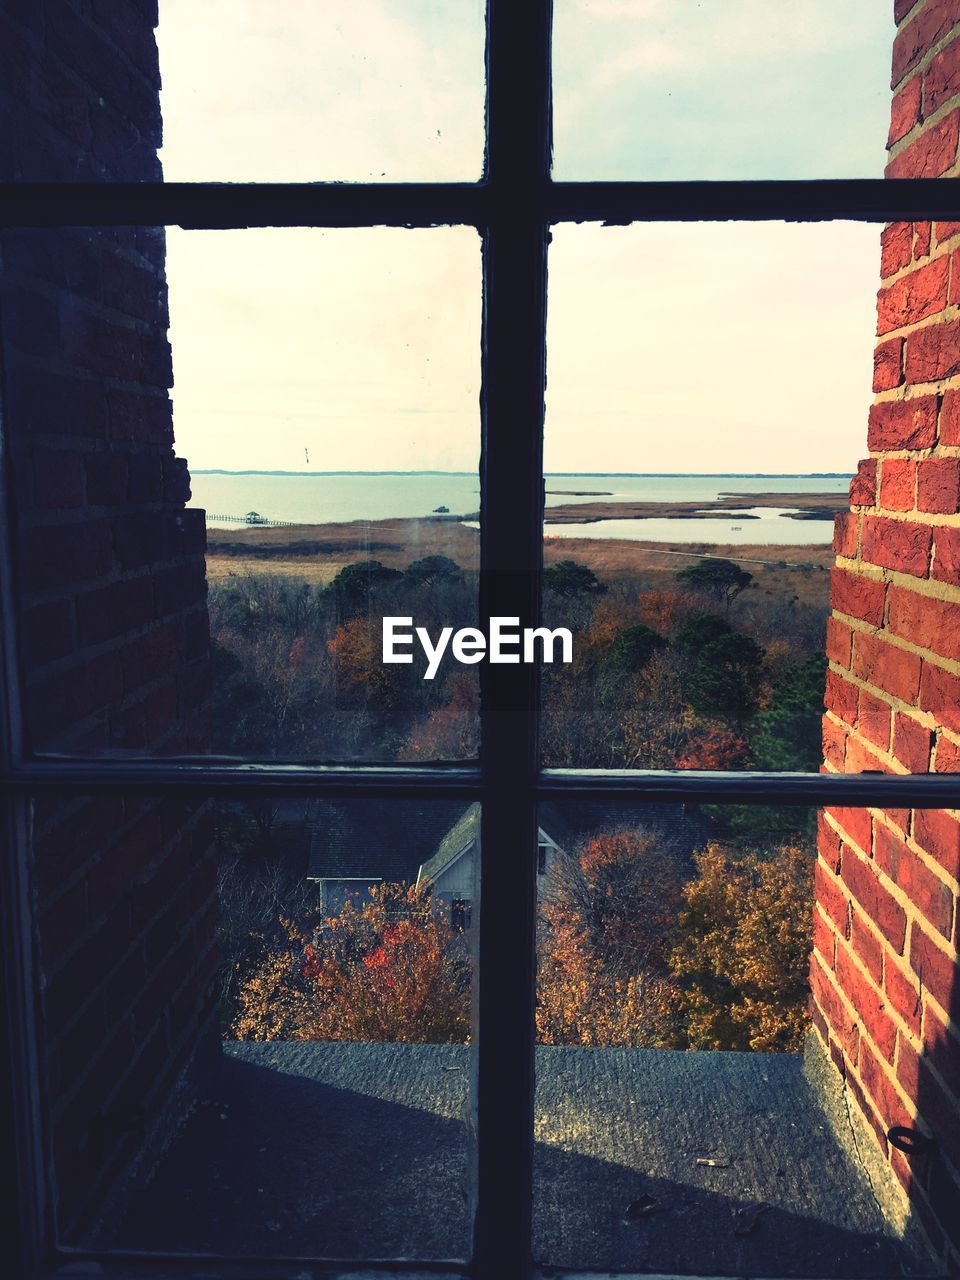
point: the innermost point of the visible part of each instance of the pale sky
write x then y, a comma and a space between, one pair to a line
671, 348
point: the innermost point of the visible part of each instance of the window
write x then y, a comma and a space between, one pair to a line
514, 207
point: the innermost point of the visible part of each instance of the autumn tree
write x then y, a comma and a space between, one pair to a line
602, 976
387, 970
451, 732
741, 949
715, 747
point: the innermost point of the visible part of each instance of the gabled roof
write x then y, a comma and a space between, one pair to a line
378, 839
464, 833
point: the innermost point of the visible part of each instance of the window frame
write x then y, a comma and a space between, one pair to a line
513, 206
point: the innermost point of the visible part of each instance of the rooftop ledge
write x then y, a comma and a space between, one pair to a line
652, 1161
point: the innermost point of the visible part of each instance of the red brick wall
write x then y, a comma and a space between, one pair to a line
112, 590
886, 987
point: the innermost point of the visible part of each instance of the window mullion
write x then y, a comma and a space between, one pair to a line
518, 152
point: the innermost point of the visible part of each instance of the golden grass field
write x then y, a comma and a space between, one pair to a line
316, 553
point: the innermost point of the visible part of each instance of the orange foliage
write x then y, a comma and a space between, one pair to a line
452, 732
357, 650
666, 610
389, 970
602, 976
716, 748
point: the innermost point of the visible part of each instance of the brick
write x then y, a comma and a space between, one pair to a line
905, 424
48, 632
942, 1050
947, 757
897, 544
933, 352
938, 485
61, 555
833, 739
921, 239
888, 365
949, 425
941, 79
940, 695
925, 621
887, 667
932, 154
896, 248
841, 697
912, 743
914, 297
901, 8
904, 995
879, 1082
946, 231
878, 903
106, 476
824, 939
839, 642
842, 1023
832, 900
846, 526
905, 112
146, 478
898, 484
861, 759
114, 609
857, 596
866, 947
900, 864
857, 824
868, 1002
916, 38
874, 719
938, 834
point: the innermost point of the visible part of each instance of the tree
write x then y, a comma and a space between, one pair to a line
568, 578
451, 732
389, 970
722, 579
788, 732
357, 650
602, 974
741, 949
433, 569
715, 748
635, 646
354, 584
724, 681
700, 631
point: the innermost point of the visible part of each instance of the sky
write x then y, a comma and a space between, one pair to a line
670, 347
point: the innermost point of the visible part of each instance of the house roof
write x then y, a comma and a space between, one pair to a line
400, 840
457, 840
378, 839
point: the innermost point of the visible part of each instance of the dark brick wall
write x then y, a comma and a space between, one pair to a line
112, 590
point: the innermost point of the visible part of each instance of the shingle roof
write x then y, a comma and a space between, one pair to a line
460, 835
385, 839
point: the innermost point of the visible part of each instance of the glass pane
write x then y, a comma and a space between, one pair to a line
694, 469
342, 91
690, 1116
678, 89
256, 1023
327, 399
